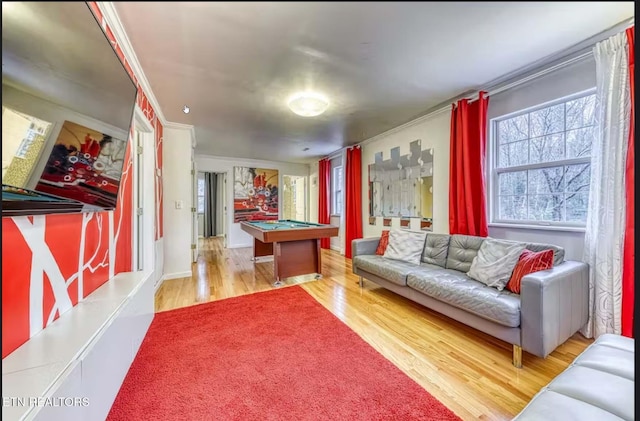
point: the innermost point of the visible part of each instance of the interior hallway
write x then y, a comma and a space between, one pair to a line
467, 370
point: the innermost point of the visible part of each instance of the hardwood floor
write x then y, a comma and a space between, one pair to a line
468, 371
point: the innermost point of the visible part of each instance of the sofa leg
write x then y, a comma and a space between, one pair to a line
517, 356
361, 282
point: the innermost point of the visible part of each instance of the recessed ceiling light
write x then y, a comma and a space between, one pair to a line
305, 149
186, 109
308, 104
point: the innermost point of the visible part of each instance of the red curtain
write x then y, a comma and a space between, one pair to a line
353, 199
324, 193
628, 270
467, 203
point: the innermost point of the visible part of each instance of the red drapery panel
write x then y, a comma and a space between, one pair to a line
324, 187
353, 200
467, 202
628, 269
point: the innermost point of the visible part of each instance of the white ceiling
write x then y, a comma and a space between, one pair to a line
380, 63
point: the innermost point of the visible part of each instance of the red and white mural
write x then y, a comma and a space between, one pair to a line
51, 262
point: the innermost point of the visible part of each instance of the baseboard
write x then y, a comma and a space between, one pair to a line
175, 275
338, 249
239, 246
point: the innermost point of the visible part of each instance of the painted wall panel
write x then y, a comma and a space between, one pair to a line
51, 262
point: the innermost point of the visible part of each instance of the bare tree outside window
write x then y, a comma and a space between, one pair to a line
542, 163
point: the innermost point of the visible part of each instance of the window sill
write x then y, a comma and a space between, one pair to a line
537, 227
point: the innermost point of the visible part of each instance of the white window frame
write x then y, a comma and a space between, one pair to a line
337, 191
493, 184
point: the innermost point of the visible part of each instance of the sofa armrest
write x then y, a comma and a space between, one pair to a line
553, 305
363, 246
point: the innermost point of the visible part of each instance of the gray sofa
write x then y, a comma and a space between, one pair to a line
551, 306
597, 386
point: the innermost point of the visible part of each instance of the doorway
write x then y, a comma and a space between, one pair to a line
294, 197
144, 256
212, 208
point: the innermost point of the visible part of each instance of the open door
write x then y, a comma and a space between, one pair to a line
194, 212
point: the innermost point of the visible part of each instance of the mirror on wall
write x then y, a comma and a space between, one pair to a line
402, 185
67, 107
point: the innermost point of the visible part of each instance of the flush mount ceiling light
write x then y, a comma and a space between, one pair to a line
308, 104
186, 109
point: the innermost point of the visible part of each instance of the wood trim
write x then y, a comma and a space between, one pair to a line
293, 234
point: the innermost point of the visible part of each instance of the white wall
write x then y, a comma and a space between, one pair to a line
572, 79
434, 133
177, 187
235, 236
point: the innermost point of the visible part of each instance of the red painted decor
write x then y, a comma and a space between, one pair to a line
276, 355
50, 262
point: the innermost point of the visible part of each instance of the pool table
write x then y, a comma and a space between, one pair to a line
295, 245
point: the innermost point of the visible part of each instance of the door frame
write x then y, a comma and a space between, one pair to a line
143, 131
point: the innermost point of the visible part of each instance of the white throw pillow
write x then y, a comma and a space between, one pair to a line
495, 262
405, 245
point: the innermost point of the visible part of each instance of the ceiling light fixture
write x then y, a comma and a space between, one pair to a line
308, 104
186, 109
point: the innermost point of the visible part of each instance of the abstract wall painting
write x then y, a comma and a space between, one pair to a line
255, 194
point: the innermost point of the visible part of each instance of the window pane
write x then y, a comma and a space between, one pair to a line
577, 205
547, 121
546, 148
201, 187
578, 177
579, 142
513, 129
581, 112
546, 207
513, 207
513, 183
546, 187
338, 209
546, 180
200, 204
512, 154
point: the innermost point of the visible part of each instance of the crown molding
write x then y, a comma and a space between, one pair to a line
112, 19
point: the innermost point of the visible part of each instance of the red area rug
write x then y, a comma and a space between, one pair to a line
276, 355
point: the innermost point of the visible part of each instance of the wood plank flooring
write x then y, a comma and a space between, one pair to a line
468, 371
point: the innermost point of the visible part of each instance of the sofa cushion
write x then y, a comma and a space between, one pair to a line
457, 289
383, 243
462, 250
558, 252
394, 271
529, 262
405, 245
435, 250
495, 261
597, 386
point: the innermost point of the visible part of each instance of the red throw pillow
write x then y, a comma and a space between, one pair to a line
384, 242
529, 262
